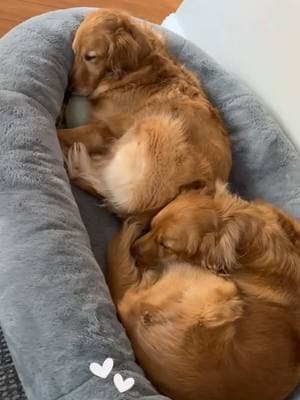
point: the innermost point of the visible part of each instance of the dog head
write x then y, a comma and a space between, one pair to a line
108, 43
176, 231
215, 230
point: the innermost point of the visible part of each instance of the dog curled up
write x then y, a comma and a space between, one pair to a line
153, 132
202, 335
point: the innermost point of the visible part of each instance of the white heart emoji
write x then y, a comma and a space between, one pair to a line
123, 384
102, 371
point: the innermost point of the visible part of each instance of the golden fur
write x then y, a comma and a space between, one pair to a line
153, 131
230, 234
198, 335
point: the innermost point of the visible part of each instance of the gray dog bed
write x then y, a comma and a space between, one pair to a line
55, 309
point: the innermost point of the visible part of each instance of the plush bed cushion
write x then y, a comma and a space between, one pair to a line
55, 309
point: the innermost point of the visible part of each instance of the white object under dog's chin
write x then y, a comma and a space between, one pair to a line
77, 111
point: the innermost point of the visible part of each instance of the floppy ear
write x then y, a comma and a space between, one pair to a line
128, 46
233, 229
225, 251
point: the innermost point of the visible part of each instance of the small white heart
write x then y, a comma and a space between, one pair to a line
123, 384
102, 370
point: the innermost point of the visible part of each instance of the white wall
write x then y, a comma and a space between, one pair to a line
258, 41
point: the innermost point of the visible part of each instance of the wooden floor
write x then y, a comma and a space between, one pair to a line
12, 12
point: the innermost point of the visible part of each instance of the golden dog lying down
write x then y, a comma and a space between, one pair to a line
199, 335
153, 131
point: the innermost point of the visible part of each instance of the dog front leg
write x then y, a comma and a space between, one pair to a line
95, 136
122, 273
84, 171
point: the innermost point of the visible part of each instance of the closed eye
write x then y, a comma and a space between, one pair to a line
165, 246
91, 56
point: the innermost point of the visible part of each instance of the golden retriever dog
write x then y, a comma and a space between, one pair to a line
229, 234
198, 335
153, 132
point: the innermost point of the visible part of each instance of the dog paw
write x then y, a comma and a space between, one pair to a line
77, 160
